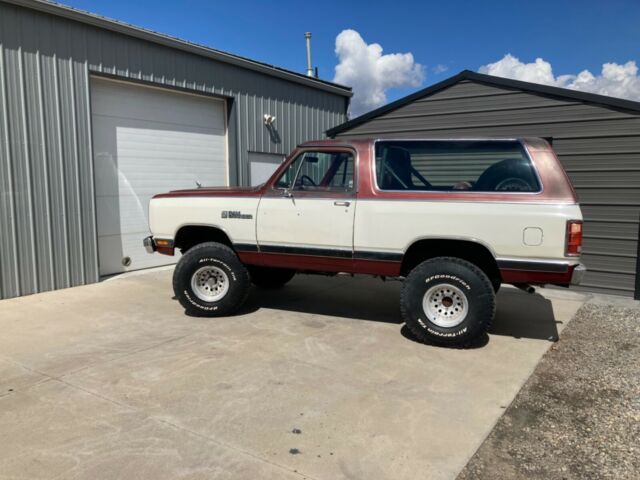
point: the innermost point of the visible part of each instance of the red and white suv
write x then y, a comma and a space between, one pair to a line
452, 218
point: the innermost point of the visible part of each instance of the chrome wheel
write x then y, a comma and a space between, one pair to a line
210, 283
445, 305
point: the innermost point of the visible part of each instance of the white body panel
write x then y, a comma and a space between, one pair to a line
392, 226
148, 140
306, 222
385, 226
168, 215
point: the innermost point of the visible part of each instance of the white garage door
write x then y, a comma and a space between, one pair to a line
262, 166
146, 141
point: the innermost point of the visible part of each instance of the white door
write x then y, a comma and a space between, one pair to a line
148, 140
311, 211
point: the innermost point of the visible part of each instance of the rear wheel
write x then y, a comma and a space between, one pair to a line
268, 277
447, 301
210, 280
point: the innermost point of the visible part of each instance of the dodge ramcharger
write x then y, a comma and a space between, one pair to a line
453, 219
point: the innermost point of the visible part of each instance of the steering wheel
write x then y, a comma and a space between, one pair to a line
307, 177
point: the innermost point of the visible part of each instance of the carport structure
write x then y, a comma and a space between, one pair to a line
596, 137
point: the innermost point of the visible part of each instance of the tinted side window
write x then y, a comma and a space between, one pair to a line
481, 166
319, 171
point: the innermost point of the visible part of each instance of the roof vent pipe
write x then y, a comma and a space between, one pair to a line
307, 35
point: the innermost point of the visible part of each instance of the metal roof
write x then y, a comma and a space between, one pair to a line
557, 92
173, 42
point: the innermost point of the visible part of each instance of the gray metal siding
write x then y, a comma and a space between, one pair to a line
599, 147
47, 201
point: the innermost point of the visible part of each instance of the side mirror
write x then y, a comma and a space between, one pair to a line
286, 193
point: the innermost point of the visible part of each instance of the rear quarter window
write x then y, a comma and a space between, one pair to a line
437, 165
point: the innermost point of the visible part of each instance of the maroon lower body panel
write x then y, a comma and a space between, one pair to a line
322, 264
537, 278
389, 265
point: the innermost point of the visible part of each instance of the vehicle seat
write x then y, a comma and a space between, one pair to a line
396, 170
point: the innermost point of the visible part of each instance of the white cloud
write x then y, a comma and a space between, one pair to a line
370, 73
440, 68
614, 80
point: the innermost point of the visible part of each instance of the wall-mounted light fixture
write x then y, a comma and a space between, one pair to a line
269, 119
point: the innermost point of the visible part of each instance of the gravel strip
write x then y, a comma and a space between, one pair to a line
578, 416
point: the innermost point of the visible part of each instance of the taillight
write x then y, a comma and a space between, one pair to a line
574, 238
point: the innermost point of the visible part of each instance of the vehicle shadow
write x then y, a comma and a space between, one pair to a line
524, 315
351, 298
518, 314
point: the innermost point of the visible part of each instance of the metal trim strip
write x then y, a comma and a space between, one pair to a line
310, 251
382, 256
245, 247
532, 265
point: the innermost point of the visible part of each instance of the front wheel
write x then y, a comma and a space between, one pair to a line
447, 301
210, 280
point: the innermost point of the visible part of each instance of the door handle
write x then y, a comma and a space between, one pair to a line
342, 204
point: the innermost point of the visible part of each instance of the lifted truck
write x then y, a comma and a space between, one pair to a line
452, 218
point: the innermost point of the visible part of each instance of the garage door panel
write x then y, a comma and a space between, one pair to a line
114, 249
262, 166
123, 100
148, 141
110, 254
169, 164
157, 182
123, 214
108, 215
133, 157
170, 132
133, 249
105, 157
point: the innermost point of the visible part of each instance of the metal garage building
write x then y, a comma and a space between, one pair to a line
96, 116
597, 138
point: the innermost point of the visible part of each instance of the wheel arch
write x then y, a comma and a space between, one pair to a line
472, 250
190, 235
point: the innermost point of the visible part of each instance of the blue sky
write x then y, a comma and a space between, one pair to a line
571, 35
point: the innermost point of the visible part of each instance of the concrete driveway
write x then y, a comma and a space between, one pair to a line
317, 380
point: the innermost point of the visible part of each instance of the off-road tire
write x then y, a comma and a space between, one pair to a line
222, 259
468, 281
268, 277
